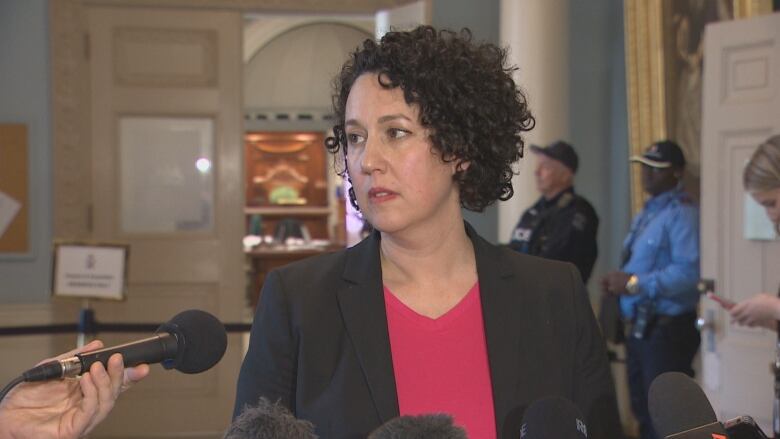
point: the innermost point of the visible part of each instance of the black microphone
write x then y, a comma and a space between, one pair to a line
269, 420
679, 409
554, 417
191, 342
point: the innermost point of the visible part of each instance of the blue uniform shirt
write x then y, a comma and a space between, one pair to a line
663, 245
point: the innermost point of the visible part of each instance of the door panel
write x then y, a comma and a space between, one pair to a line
165, 96
741, 104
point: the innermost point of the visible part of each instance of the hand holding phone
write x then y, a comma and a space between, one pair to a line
707, 287
723, 302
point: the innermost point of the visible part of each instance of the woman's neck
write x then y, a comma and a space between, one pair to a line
439, 254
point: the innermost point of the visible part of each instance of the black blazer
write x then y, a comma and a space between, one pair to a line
319, 341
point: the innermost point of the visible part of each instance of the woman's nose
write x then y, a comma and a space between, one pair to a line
373, 158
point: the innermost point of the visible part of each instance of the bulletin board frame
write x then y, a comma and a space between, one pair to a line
15, 236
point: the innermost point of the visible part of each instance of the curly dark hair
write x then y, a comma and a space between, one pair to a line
466, 96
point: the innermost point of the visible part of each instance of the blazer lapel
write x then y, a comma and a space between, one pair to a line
501, 303
362, 304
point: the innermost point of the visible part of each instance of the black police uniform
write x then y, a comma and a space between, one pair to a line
562, 228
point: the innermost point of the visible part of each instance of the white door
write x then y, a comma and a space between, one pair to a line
167, 179
741, 109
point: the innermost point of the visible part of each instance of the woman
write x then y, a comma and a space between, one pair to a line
424, 315
762, 180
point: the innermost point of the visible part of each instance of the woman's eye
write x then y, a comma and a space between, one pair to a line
397, 133
354, 139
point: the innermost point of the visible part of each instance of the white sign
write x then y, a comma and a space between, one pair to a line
90, 271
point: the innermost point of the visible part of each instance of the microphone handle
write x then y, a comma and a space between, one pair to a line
150, 350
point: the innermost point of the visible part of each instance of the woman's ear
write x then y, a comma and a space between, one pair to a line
461, 166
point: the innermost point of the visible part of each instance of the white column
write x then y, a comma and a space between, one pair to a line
537, 34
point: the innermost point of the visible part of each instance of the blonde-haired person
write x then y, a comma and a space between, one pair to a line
762, 180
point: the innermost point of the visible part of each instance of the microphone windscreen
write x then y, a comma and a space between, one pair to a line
553, 417
202, 340
426, 426
676, 403
269, 420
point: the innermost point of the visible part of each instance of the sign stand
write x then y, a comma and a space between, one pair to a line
89, 271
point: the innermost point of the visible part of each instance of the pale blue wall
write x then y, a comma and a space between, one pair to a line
24, 98
482, 18
598, 119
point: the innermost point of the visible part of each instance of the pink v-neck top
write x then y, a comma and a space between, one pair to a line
441, 365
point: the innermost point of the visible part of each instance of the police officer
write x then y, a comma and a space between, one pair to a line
656, 283
561, 225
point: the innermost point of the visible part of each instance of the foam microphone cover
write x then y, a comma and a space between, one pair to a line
553, 417
201, 339
676, 404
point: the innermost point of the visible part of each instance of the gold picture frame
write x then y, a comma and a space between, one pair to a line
663, 73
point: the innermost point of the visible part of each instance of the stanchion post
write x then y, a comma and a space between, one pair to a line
87, 326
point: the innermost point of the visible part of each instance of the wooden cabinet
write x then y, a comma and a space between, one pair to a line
285, 169
285, 179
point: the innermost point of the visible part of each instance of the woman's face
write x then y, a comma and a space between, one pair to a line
399, 181
770, 200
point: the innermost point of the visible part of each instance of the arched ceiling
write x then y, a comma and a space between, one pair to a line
294, 70
259, 30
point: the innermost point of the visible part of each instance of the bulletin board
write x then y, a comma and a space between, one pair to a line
14, 189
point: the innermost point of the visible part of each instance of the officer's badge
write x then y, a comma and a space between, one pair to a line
579, 221
521, 234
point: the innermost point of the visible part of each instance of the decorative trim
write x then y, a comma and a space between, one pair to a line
644, 72
129, 70
70, 119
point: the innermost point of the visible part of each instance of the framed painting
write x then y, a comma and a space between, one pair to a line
664, 47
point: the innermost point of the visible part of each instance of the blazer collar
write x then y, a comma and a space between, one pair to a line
363, 309
363, 262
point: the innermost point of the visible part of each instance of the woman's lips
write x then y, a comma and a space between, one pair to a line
380, 195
